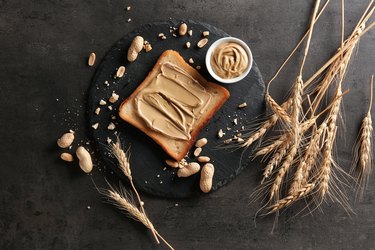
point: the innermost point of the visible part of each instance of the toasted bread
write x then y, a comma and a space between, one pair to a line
171, 118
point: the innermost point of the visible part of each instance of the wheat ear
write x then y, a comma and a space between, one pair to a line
122, 201
124, 166
277, 109
275, 160
290, 199
362, 164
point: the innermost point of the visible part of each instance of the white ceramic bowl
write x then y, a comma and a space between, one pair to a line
212, 48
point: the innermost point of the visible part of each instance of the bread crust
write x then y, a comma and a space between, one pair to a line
177, 149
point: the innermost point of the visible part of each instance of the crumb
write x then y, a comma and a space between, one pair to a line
148, 47
161, 182
109, 140
198, 67
128, 8
176, 205
158, 176
102, 102
242, 105
220, 134
235, 121
114, 97
111, 126
142, 203
129, 20
205, 33
188, 44
174, 35
146, 182
191, 61
97, 111
88, 207
95, 126
110, 107
190, 32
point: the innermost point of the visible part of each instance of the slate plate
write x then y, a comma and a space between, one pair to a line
150, 173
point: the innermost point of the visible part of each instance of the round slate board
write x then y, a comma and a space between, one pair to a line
150, 173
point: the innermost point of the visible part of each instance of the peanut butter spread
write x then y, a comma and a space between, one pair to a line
229, 60
172, 102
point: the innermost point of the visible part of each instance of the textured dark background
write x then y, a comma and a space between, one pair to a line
44, 78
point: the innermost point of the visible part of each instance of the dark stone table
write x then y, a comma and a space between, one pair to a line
48, 204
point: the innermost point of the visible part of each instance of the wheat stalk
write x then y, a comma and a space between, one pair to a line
362, 163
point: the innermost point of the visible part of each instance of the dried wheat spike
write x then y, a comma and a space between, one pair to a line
275, 188
362, 162
282, 138
290, 199
275, 160
277, 109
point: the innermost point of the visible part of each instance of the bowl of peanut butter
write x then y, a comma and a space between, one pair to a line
229, 60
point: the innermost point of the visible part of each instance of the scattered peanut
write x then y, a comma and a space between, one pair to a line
207, 174
197, 152
204, 159
92, 59
110, 107
120, 72
95, 126
242, 105
102, 102
114, 97
84, 158
171, 163
190, 32
187, 44
65, 140
97, 111
190, 169
182, 29
66, 157
205, 33
201, 142
135, 47
191, 61
111, 126
202, 42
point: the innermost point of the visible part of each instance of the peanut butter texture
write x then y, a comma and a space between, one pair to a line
229, 60
172, 102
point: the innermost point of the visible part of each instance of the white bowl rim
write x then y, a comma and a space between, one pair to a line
223, 40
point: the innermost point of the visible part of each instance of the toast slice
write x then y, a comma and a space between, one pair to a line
173, 104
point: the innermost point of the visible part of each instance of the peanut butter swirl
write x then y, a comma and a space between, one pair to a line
229, 60
172, 102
